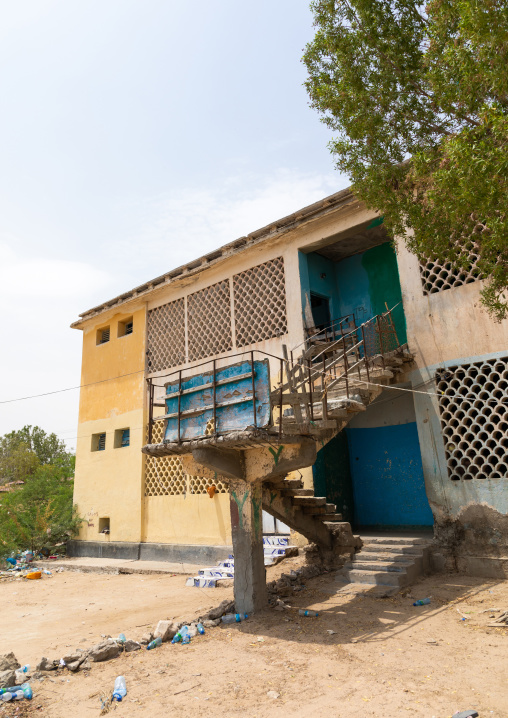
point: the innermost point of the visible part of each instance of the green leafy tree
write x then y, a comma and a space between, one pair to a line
21, 452
418, 96
40, 513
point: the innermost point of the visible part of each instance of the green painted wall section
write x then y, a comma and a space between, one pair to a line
332, 476
380, 263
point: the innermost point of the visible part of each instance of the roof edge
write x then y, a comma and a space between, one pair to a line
279, 226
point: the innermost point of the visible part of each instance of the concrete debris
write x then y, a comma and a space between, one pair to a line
46, 665
224, 607
75, 665
146, 638
9, 662
209, 623
165, 630
104, 651
7, 678
131, 645
273, 694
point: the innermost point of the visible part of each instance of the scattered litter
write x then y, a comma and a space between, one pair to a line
466, 714
234, 617
34, 575
303, 612
330, 632
501, 621
462, 614
422, 602
179, 635
120, 689
121, 638
154, 644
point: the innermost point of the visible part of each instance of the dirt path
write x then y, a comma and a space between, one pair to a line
385, 657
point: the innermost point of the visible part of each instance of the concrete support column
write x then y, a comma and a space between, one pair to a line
247, 533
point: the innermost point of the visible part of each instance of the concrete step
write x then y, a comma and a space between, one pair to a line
388, 557
378, 578
309, 501
297, 492
366, 589
398, 549
396, 540
358, 564
331, 517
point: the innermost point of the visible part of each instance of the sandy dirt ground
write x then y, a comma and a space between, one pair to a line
363, 656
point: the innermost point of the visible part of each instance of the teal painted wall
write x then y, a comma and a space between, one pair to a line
332, 476
366, 281
358, 285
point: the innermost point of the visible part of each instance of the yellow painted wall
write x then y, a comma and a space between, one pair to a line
110, 483
188, 519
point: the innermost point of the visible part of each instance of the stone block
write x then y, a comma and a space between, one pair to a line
9, 662
165, 630
131, 645
104, 651
46, 665
7, 678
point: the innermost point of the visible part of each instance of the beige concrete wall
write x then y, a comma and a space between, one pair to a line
446, 325
109, 483
187, 519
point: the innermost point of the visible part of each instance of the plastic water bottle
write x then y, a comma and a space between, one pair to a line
422, 602
121, 639
154, 644
180, 634
16, 693
303, 612
201, 628
186, 638
234, 617
24, 669
120, 689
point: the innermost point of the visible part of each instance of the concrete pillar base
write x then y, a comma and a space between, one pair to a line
247, 533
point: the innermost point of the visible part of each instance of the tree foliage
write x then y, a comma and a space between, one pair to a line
40, 513
419, 99
23, 451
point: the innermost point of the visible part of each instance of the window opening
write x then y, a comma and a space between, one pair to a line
98, 442
125, 327
320, 307
104, 525
473, 405
103, 335
122, 438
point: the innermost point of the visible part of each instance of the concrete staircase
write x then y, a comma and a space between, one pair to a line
386, 564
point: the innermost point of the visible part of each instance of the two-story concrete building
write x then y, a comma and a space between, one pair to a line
430, 451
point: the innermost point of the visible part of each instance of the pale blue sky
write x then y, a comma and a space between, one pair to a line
135, 136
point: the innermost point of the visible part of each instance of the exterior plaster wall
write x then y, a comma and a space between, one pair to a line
109, 483
444, 329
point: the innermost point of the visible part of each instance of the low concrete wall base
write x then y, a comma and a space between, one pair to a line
481, 566
173, 553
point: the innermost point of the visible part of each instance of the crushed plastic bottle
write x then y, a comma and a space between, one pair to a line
422, 602
154, 644
121, 638
179, 634
305, 612
24, 669
201, 628
16, 693
234, 617
120, 689
186, 638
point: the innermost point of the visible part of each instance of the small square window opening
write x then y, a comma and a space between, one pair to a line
98, 442
104, 525
122, 438
125, 327
103, 335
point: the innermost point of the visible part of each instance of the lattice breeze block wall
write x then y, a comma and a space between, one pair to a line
166, 336
209, 321
438, 277
164, 476
260, 303
474, 419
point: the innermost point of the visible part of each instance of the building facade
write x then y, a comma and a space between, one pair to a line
429, 452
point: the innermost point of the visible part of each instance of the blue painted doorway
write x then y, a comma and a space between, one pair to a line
387, 477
